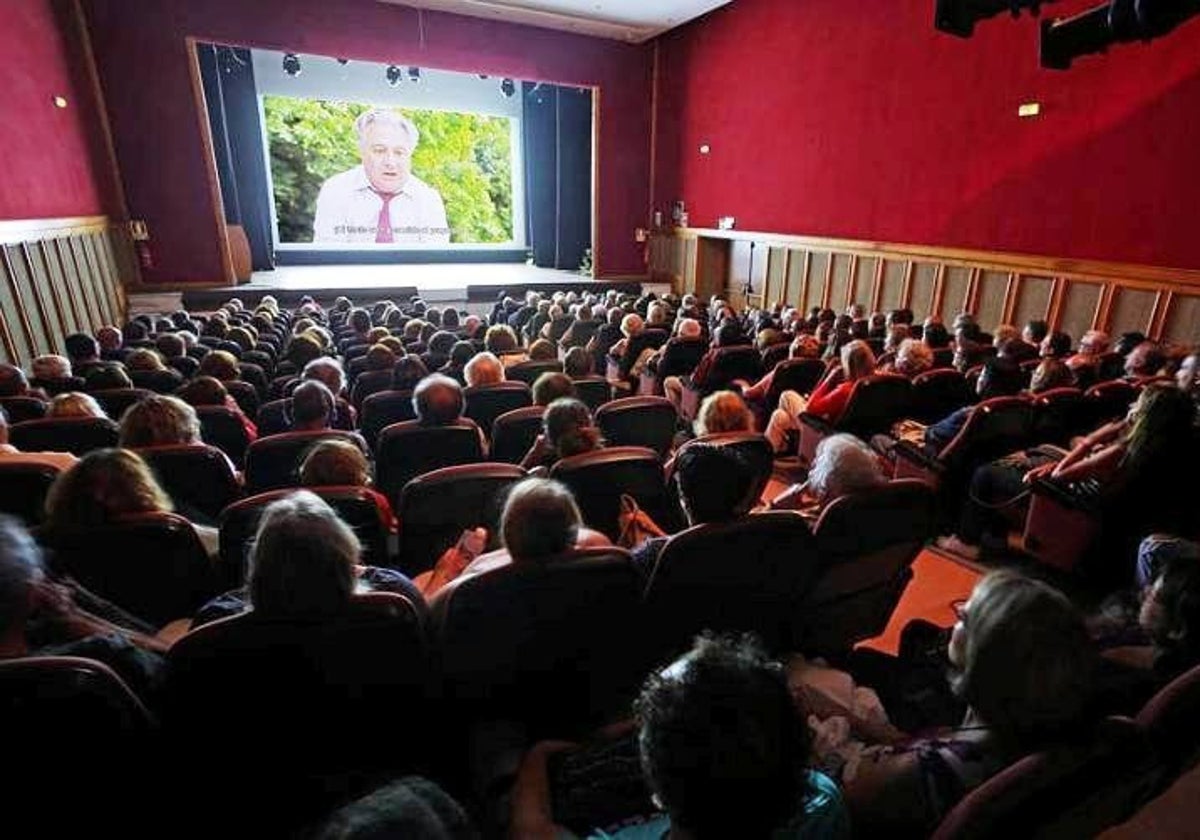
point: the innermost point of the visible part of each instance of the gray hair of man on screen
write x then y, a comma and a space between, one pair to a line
385, 116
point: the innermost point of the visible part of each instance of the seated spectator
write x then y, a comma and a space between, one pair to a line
107, 377
1008, 342
10, 455
631, 325
1188, 376
828, 399
220, 365
14, 384
409, 370
578, 363
460, 354
409, 807
1000, 377
483, 369
144, 360
912, 357
1092, 346
170, 345
542, 351
723, 411
207, 390
567, 429
50, 368
159, 421
74, 404
1024, 665
1035, 331
803, 346
312, 407
1051, 372
551, 386
1056, 345
969, 348
501, 341
718, 726
329, 372
380, 357
580, 330
84, 351
1145, 360
842, 465
39, 617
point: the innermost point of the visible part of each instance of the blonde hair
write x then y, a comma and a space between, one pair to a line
335, 462
723, 411
159, 421
101, 487
74, 404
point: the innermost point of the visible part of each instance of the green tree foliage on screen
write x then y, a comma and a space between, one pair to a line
465, 157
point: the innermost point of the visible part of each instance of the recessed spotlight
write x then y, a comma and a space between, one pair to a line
414, 74
393, 74
291, 64
343, 61
60, 102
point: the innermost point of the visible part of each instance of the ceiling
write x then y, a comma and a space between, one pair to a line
626, 20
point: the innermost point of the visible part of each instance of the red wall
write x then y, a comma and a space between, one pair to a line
868, 124
143, 63
53, 158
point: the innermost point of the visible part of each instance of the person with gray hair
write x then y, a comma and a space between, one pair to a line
381, 201
843, 464
483, 369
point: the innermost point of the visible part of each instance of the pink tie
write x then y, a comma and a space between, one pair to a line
383, 227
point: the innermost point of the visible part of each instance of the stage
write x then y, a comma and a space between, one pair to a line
459, 284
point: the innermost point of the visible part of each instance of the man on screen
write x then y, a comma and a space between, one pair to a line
381, 201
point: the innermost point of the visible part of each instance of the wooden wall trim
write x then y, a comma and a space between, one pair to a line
23, 230
1131, 274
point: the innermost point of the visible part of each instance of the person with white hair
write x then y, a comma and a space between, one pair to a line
381, 201
842, 465
483, 369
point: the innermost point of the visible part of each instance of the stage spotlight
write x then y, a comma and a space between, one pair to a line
958, 17
1118, 21
291, 64
393, 74
414, 74
508, 87
483, 76
343, 61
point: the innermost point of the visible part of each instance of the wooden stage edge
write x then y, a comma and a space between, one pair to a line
460, 283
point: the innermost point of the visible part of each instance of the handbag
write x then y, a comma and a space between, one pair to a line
635, 524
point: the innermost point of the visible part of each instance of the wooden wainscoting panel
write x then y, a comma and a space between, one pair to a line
990, 297
1033, 299
955, 286
775, 288
25, 299
1078, 310
47, 301
891, 290
73, 315
839, 283
924, 285
865, 269
797, 277
20, 347
1132, 310
1182, 322
87, 282
818, 275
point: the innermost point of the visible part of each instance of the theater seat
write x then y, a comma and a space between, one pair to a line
23, 489
556, 645
937, 394
639, 421
68, 695
150, 564
725, 365
1105, 402
20, 409
406, 450
750, 575
485, 403
679, 357
514, 433
594, 391
199, 479
435, 508
77, 435
752, 446
274, 462
876, 402
115, 401
528, 372
1169, 721
246, 396
223, 428
382, 410
597, 480
1057, 416
799, 375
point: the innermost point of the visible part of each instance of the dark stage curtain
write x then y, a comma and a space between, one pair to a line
228, 77
557, 130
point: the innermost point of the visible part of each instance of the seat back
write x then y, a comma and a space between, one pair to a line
866, 544
485, 403
20, 409
54, 387
274, 462
358, 507
1169, 720
23, 489
246, 396
594, 391
639, 421
937, 394
68, 699
528, 372
752, 446
158, 381
1056, 416
222, 427
1068, 791
876, 402
77, 435
774, 354
274, 417
556, 645
730, 363
650, 338
680, 356
115, 401
273, 683
597, 480
799, 375
435, 508
381, 410
368, 383
407, 450
199, 479
150, 564
1107, 401
514, 432
749, 575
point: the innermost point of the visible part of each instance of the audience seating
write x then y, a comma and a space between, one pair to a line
1061, 524
20, 409
199, 478
305, 703
1057, 416
358, 507
651, 338
556, 645
77, 435
1070, 791
274, 417
23, 489
775, 353
594, 391
406, 450
1106, 401
514, 433
755, 448
598, 479
639, 421
752, 575
487, 402
876, 402
69, 701
799, 375
274, 462
158, 381
727, 365
679, 358
866, 544
151, 564
246, 396
528, 372
223, 428
937, 394
435, 508
368, 383
114, 401
54, 387
1169, 721
381, 410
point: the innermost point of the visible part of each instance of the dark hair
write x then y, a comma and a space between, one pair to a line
359, 320
1175, 625
204, 390
551, 386
569, 429
103, 377
437, 400
719, 726
936, 335
20, 568
578, 362
409, 807
1037, 329
1001, 377
1059, 344
312, 402
461, 353
409, 370
81, 347
714, 482
540, 520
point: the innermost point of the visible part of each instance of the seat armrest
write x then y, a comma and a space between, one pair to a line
1082, 496
817, 424
916, 454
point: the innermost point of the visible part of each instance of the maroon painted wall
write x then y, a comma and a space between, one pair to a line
143, 63
865, 123
54, 163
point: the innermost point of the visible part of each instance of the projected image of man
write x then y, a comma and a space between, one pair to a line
381, 201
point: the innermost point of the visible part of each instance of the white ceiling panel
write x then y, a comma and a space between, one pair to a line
625, 20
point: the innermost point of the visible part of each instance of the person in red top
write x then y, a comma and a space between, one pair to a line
828, 399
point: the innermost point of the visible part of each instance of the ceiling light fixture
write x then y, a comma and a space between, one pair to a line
414, 74
393, 74
508, 87
291, 65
